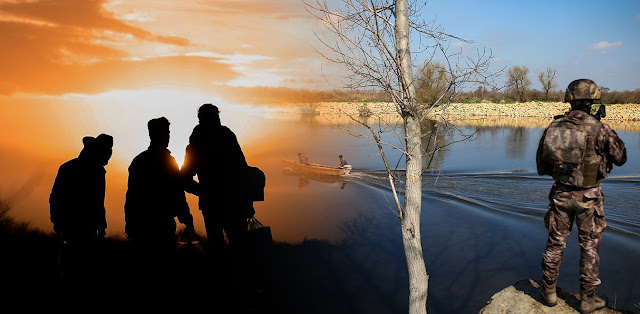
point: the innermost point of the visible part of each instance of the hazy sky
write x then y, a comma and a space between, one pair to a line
94, 46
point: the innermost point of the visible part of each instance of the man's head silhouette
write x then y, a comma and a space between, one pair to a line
104, 147
98, 148
159, 132
209, 114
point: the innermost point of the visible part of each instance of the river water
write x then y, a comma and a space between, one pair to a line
482, 211
482, 219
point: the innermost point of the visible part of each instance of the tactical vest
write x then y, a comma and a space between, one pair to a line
569, 153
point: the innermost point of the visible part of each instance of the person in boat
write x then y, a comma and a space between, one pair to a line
343, 162
304, 160
578, 151
155, 196
215, 156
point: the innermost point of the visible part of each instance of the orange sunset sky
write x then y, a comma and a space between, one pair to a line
89, 46
83, 67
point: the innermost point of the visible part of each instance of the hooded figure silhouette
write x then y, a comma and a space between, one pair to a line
77, 210
77, 198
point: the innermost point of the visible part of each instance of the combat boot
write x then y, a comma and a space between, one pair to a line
549, 298
591, 303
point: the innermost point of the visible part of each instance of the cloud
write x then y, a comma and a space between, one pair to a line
638, 16
74, 31
81, 15
606, 45
174, 72
80, 46
77, 46
460, 44
17, 19
230, 59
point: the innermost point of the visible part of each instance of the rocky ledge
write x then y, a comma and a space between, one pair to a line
523, 297
625, 112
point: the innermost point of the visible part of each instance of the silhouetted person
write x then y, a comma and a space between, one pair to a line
304, 160
214, 154
77, 206
155, 196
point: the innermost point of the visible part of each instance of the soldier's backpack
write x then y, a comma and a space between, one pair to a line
568, 152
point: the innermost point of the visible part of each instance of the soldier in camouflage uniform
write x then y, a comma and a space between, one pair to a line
578, 151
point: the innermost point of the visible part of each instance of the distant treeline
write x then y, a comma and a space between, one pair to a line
608, 96
282, 95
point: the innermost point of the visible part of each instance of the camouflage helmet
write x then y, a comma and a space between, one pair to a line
582, 89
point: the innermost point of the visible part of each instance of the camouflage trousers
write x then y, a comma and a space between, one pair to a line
585, 207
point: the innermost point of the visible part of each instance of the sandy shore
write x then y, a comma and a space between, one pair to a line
627, 112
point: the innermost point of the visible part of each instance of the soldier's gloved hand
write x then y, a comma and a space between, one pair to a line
102, 233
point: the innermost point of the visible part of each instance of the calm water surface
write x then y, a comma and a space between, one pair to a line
482, 225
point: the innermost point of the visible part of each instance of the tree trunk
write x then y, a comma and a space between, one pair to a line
410, 223
418, 278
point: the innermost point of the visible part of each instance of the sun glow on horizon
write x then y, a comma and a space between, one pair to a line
124, 114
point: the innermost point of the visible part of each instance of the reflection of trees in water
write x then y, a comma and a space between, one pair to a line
358, 229
517, 142
309, 120
436, 137
376, 255
492, 130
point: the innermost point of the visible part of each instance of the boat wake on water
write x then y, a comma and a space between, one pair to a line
513, 192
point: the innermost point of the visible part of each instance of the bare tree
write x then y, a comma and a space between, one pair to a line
518, 81
371, 39
431, 81
547, 79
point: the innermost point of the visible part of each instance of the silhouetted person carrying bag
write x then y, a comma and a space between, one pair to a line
155, 196
77, 208
214, 154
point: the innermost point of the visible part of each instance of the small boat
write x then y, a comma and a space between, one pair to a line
316, 168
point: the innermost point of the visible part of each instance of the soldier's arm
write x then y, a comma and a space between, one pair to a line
614, 148
539, 164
